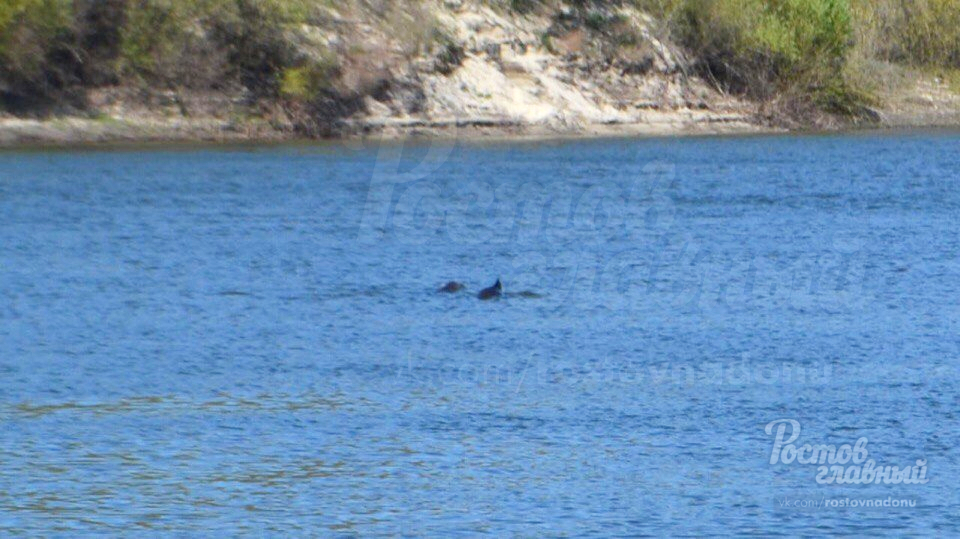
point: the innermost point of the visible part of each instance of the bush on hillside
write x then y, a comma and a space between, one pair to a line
756, 47
918, 32
38, 59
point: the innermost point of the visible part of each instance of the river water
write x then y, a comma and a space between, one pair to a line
249, 340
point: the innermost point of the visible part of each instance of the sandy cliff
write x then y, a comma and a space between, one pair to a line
543, 74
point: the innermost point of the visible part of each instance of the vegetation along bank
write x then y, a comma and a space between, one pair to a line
87, 70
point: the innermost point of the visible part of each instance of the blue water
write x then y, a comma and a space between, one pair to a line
249, 340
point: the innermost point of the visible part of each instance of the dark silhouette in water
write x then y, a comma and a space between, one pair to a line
451, 287
491, 292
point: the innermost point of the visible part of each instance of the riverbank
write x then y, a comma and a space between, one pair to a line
930, 110
442, 69
70, 131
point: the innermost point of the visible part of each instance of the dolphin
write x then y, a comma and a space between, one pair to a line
491, 292
451, 287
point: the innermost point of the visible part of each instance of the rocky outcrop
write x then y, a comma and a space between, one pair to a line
548, 72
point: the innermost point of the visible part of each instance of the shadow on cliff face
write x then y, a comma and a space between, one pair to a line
352, 92
324, 116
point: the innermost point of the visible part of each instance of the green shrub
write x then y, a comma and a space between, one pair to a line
36, 38
170, 43
305, 82
764, 48
37, 21
919, 32
523, 6
595, 20
98, 24
209, 43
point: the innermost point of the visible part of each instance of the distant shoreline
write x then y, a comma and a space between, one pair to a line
73, 132
262, 72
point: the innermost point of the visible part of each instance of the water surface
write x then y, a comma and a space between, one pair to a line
249, 340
